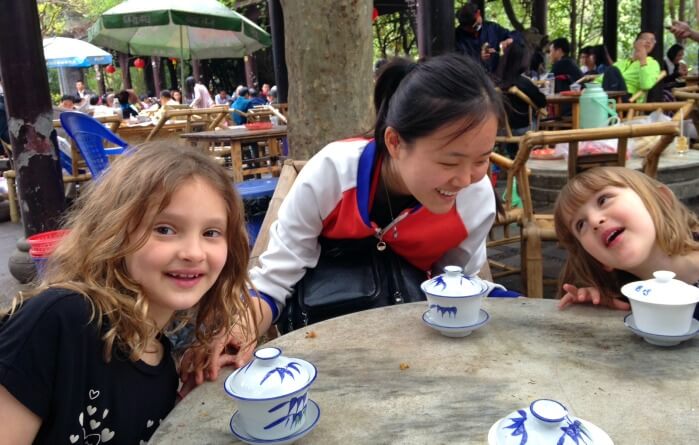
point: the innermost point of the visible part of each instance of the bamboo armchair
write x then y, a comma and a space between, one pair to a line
535, 115
511, 216
535, 227
211, 117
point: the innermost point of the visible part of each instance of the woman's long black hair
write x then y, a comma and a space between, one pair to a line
416, 99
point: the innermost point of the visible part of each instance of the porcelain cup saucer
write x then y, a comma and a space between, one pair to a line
312, 417
456, 331
662, 340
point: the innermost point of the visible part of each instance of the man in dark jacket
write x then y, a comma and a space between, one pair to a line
564, 67
480, 39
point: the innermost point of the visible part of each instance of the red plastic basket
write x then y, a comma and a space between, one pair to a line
43, 244
258, 125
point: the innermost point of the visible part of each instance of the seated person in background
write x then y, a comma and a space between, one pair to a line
612, 80
98, 110
272, 97
640, 71
67, 102
675, 68
127, 110
256, 99
264, 91
510, 72
564, 67
587, 66
242, 103
166, 99
222, 98
177, 96
481, 39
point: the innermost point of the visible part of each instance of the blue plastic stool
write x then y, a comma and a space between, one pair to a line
254, 189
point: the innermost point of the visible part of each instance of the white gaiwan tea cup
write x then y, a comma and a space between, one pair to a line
272, 393
454, 300
545, 422
662, 305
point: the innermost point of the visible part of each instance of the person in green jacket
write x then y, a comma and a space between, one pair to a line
640, 71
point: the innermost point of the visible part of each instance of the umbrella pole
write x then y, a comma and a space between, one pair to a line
182, 66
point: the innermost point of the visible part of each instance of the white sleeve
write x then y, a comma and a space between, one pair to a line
476, 205
293, 239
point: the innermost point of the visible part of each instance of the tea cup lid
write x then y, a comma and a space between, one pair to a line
453, 283
270, 375
544, 422
662, 289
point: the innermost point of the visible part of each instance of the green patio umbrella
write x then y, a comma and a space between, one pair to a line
185, 29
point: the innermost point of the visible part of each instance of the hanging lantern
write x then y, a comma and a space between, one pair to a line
110, 69
139, 63
173, 60
374, 14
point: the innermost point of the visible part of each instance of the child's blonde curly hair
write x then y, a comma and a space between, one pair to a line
90, 260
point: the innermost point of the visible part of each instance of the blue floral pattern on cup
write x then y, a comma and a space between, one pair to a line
295, 413
282, 372
573, 430
518, 426
448, 310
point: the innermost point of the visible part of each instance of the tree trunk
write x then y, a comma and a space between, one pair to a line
573, 28
509, 10
99, 75
29, 113
172, 72
682, 10
125, 72
328, 54
148, 79
671, 7
539, 16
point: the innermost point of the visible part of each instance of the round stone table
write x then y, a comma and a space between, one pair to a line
452, 390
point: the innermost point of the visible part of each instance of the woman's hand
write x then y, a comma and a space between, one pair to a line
232, 349
592, 295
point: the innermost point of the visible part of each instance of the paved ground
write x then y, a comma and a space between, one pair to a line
9, 234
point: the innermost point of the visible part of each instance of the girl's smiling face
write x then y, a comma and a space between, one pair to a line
615, 227
185, 251
436, 167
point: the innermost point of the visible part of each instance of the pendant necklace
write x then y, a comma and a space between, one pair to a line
381, 245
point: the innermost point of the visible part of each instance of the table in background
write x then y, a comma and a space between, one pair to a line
234, 138
456, 388
136, 134
574, 100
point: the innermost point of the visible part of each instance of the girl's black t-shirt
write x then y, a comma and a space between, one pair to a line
51, 360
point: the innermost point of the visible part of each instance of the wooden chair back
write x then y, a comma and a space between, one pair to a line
210, 117
690, 92
535, 115
290, 171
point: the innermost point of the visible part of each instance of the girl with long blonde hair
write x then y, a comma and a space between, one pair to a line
159, 238
619, 225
